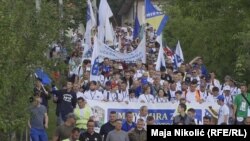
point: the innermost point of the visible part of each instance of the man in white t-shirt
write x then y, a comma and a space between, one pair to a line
193, 95
146, 97
93, 94
77, 91
223, 114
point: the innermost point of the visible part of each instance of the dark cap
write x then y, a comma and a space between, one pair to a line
194, 81
208, 77
108, 83
93, 82
144, 81
187, 79
131, 91
163, 69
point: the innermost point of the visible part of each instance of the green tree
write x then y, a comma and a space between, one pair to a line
25, 35
216, 30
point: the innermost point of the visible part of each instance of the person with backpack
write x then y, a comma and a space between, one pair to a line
242, 105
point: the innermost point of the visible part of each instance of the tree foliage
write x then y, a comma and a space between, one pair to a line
218, 30
25, 35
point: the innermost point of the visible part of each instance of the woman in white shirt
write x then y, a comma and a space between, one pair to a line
131, 97
160, 98
146, 97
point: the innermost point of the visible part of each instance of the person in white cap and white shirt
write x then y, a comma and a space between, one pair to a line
227, 95
228, 100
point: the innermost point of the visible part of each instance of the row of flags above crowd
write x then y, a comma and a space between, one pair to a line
106, 34
176, 56
154, 17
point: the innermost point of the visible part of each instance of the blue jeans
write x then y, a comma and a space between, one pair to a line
38, 134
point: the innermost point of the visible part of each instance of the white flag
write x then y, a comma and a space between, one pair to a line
104, 14
109, 38
94, 74
89, 25
178, 51
179, 59
160, 59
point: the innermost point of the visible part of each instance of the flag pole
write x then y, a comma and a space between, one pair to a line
136, 8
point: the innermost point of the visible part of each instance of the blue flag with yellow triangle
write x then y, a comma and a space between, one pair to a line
154, 17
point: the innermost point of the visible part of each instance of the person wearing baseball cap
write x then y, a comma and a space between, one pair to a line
223, 114
227, 95
228, 100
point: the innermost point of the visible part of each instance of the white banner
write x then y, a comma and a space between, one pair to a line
163, 113
139, 54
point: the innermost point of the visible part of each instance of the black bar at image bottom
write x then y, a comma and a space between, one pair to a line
202, 133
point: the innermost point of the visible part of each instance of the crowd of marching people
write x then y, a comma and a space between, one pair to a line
135, 82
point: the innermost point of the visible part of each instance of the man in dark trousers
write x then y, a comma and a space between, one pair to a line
66, 102
109, 126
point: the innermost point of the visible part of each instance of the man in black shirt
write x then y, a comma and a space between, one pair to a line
109, 126
182, 118
66, 102
90, 135
164, 75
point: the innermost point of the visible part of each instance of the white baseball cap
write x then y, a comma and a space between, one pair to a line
227, 88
